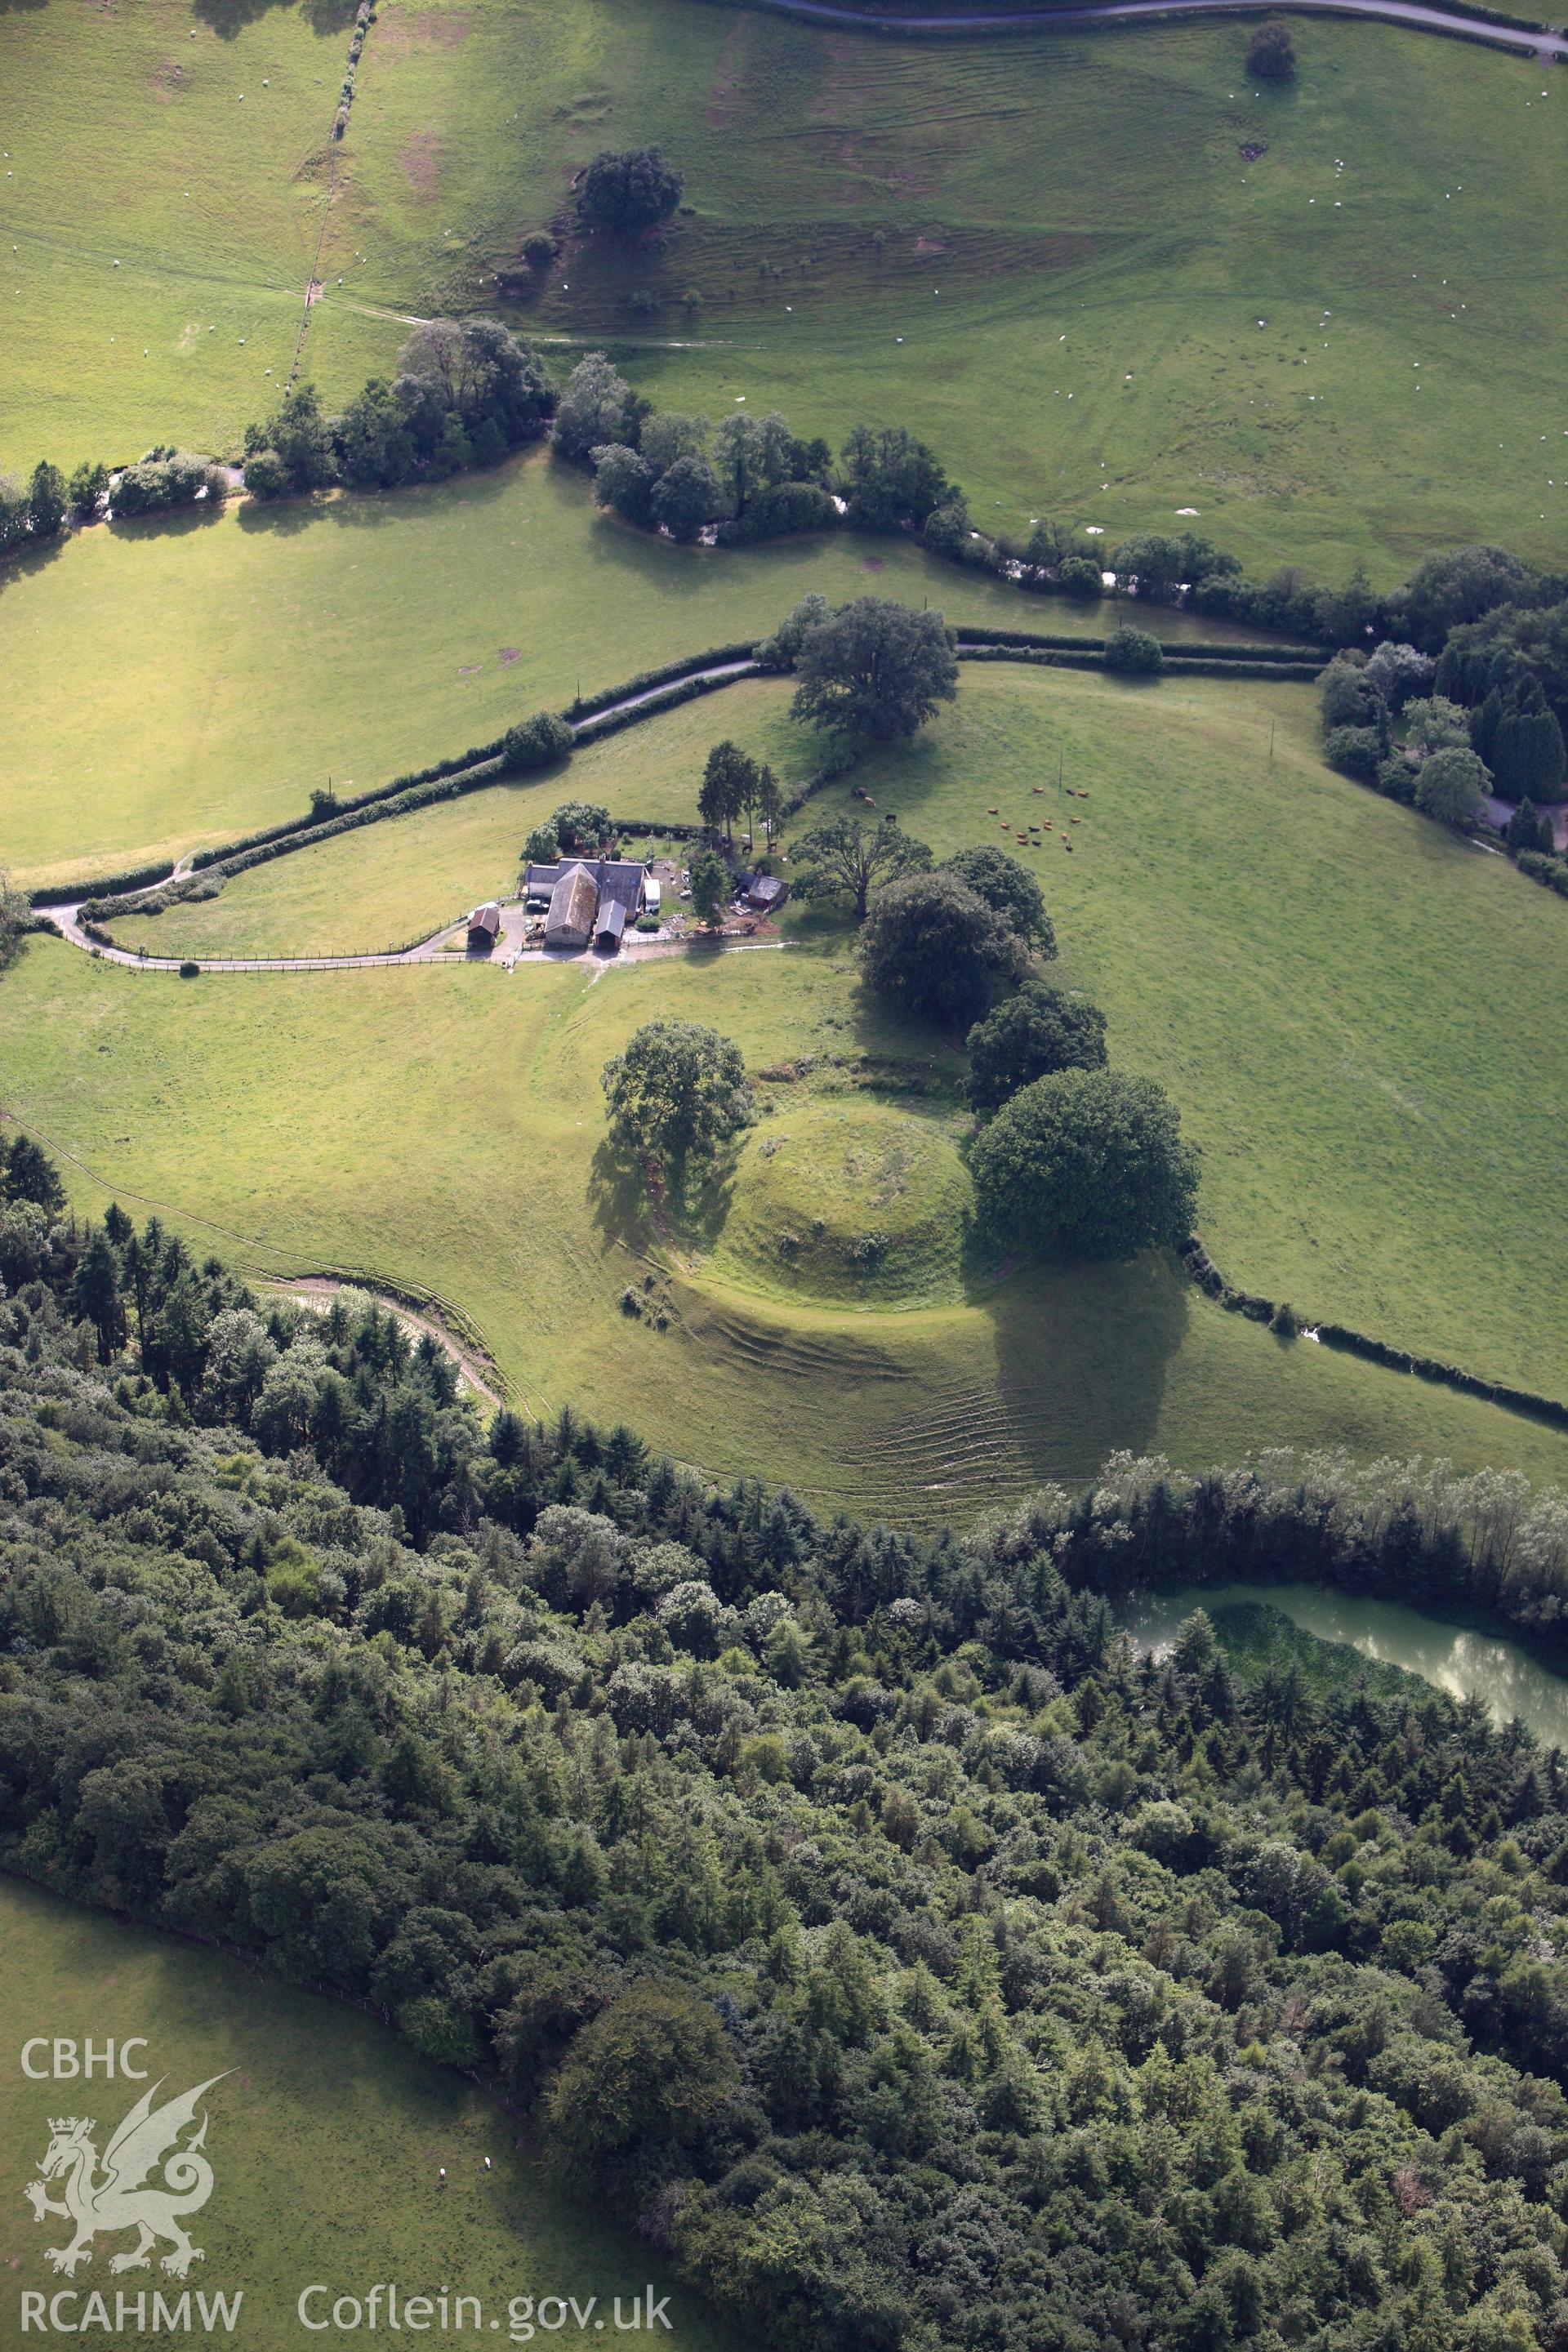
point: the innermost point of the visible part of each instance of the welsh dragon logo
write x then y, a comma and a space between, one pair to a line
122, 2196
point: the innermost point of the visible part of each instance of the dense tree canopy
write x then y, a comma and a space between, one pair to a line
1450, 787
628, 190
891, 479
1027, 1036
14, 916
1133, 652
1087, 1161
921, 1962
597, 408
930, 945
467, 391
844, 856
1458, 585
536, 742
677, 1090
1271, 53
874, 668
1009, 889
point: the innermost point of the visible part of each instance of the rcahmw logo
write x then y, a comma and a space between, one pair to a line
152, 2176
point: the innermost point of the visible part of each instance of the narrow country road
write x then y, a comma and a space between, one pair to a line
67, 915
990, 20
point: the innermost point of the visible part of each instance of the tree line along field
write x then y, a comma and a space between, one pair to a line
206, 1100
1081, 201
1306, 966
239, 661
324, 2116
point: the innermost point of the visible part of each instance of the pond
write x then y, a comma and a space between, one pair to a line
1455, 1658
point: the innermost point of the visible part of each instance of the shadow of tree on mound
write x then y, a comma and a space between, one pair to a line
689, 1214
617, 1196
1083, 1351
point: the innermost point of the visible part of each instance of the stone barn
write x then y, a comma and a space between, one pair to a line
574, 906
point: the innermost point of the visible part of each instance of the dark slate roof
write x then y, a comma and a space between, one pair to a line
620, 878
612, 920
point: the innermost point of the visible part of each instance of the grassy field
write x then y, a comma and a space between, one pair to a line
164, 187
239, 661
1061, 228
442, 1128
1317, 975
326, 2141
390, 883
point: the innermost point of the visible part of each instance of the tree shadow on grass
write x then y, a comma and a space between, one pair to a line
171, 522
280, 518
690, 1215
1083, 1352
373, 510
28, 561
229, 19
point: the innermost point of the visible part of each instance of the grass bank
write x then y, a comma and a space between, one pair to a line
326, 2137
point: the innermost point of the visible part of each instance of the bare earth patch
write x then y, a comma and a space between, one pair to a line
401, 31
420, 159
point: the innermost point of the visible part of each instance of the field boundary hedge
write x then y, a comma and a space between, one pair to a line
593, 718
1207, 648
588, 706
1203, 665
464, 771
1350, 1342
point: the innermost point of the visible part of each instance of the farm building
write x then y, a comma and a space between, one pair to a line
610, 923
585, 899
764, 892
574, 908
484, 925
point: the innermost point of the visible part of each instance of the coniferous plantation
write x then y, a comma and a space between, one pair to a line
904, 1955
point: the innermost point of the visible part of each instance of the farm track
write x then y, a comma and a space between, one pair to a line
1409, 13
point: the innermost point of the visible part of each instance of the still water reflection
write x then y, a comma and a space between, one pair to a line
1463, 1663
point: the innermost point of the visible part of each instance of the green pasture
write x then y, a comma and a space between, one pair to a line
327, 2136
171, 684
441, 1127
1324, 980
164, 188
1061, 228
386, 885
1317, 975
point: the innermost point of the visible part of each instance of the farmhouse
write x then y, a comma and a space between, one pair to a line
585, 899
